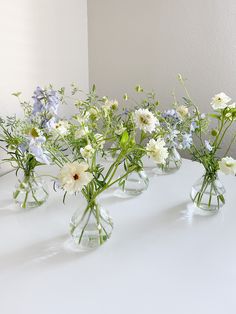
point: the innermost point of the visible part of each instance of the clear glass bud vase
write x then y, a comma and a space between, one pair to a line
91, 227
31, 191
135, 183
172, 164
208, 193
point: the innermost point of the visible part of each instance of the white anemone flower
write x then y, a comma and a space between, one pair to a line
145, 120
228, 165
87, 152
74, 176
157, 150
220, 101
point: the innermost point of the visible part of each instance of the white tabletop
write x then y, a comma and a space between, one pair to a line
162, 256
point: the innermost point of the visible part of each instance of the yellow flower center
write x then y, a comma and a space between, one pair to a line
34, 133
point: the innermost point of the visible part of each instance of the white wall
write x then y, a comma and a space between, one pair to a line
42, 41
150, 41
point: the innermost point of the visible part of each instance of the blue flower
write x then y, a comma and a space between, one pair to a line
45, 101
171, 116
35, 148
187, 140
193, 126
23, 147
38, 97
208, 146
52, 101
50, 124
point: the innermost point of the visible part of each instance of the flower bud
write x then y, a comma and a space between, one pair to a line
214, 132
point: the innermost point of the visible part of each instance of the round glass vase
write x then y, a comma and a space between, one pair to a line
30, 191
90, 227
172, 164
208, 193
135, 183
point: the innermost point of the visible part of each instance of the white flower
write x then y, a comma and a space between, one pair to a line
93, 113
100, 140
81, 132
182, 110
82, 118
62, 127
220, 101
74, 176
228, 165
157, 150
232, 106
87, 152
145, 120
110, 104
120, 129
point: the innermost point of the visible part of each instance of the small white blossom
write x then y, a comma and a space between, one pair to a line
157, 150
110, 104
220, 101
228, 165
74, 176
82, 118
100, 140
87, 152
93, 113
81, 132
232, 106
145, 120
120, 129
62, 127
182, 110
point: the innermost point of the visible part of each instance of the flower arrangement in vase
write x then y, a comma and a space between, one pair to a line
208, 193
25, 143
82, 170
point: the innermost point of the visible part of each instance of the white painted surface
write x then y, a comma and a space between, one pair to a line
42, 42
149, 42
161, 257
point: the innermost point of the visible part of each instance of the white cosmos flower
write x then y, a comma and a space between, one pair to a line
228, 165
157, 150
87, 152
74, 176
62, 127
145, 120
182, 110
220, 101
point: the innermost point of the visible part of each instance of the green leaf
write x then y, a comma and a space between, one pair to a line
216, 116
